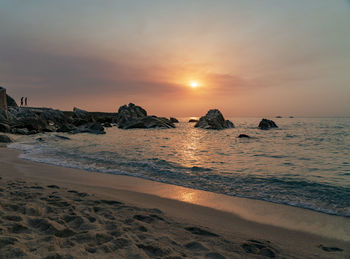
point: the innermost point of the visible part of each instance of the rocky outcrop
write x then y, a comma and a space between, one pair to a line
127, 113
5, 139
214, 120
174, 120
147, 123
132, 116
266, 124
25, 121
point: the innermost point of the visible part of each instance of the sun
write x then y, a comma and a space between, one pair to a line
194, 84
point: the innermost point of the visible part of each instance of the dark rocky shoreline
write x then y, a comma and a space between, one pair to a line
30, 120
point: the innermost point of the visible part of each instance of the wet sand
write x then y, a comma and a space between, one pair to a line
67, 213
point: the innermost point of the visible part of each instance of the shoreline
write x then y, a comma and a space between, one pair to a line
296, 231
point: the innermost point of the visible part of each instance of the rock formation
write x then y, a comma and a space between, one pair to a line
24, 120
214, 120
132, 116
174, 120
266, 124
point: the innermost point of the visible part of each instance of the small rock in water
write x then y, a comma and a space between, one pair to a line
243, 136
266, 124
214, 120
193, 120
174, 120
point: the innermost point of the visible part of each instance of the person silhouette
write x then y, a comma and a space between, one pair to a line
22, 101
25, 101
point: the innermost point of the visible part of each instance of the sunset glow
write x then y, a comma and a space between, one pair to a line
211, 55
194, 84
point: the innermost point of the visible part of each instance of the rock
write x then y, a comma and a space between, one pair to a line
5, 128
66, 128
3, 116
26, 118
193, 120
107, 125
92, 127
11, 101
174, 120
5, 139
79, 113
214, 120
20, 131
278, 117
130, 112
266, 124
147, 123
243, 136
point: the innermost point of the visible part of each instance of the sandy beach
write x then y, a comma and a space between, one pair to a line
55, 212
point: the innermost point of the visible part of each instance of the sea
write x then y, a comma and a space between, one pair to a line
303, 163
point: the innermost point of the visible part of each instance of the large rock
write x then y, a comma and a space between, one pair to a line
266, 124
132, 116
147, 123
5, 139
214, 120
127, 113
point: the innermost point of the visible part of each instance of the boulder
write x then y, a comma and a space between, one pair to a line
129, 112
266, 124
92, 127
174, 120
147, 123
214, 120
243, 136
5, 139
193, 120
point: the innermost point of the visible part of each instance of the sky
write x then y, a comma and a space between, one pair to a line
249, 58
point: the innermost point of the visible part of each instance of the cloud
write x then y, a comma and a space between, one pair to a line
38, 70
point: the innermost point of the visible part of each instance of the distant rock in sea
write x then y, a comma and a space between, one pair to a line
174, 120
278, 117
266, 124
243, 136
193, 120
214, 120
132, 116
